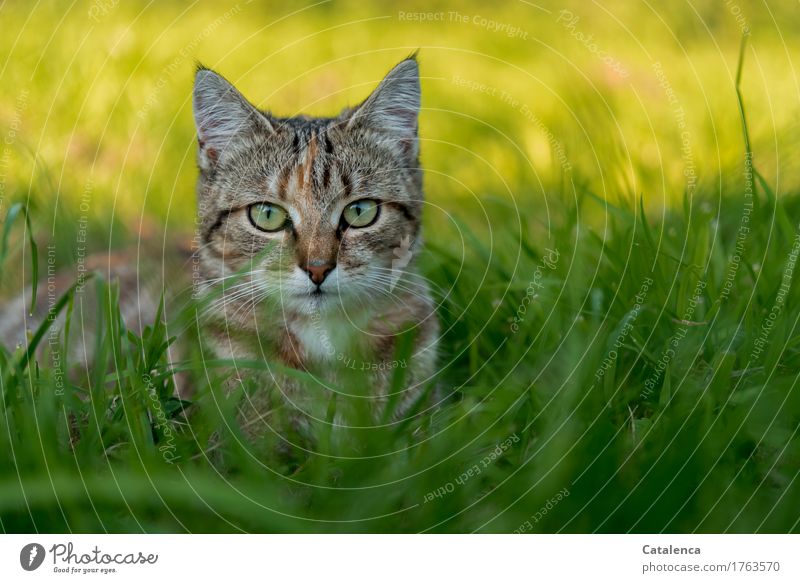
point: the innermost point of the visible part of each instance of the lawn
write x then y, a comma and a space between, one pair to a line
612, 234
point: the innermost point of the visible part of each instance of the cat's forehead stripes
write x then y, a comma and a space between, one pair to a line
311, 174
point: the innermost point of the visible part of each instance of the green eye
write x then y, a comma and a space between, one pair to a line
267, 217
361, 213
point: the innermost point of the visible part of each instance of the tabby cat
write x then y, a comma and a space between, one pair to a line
311, 227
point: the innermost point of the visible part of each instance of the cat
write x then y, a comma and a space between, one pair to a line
312, 227
309, 231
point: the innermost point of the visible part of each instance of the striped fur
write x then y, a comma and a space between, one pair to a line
314, 167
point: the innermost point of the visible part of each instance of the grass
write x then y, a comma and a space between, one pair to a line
612, 364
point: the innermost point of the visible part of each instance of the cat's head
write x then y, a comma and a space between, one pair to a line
312, 210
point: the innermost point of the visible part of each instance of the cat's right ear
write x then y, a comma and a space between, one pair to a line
393, 107
222, 116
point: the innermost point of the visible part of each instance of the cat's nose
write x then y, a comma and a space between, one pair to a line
318, 270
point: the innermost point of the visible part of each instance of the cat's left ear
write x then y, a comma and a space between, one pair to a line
393, 108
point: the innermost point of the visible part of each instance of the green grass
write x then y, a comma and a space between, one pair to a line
619, 355
713, 446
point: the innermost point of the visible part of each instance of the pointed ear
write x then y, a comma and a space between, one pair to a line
393, 108
222, 116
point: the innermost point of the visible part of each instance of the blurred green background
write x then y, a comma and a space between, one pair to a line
511, 93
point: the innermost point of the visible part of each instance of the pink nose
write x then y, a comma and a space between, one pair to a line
318, 270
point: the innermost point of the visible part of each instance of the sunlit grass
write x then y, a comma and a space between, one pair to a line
708, 442
107, 108
609, 326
